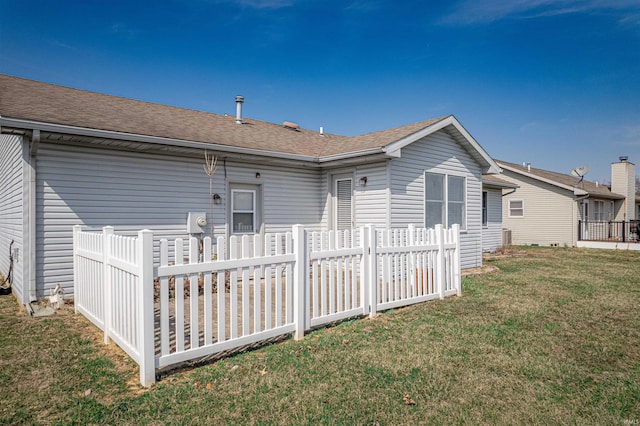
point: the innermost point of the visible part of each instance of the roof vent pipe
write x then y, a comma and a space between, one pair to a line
321, 131
239, 101
528, 167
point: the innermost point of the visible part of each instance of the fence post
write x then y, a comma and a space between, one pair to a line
146, 337
579, 230
76, 232
365, 271
456, 259
300, 276
440, 276
372, 269
107, 232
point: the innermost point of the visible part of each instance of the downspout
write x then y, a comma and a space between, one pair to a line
33, 151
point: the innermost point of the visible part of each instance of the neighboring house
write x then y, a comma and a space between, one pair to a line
547, 206
75, 157
493, 191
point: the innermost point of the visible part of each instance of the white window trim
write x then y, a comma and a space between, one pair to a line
484, 209
509, 209
253, 211
463, 226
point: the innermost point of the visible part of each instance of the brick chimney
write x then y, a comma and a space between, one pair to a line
623, 182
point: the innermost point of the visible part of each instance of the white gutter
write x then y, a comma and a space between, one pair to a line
347, 155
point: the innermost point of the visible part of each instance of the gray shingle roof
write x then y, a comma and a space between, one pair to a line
42, 102
595, 190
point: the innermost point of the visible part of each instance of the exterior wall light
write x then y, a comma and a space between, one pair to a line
363, 181
217, 199
258, 175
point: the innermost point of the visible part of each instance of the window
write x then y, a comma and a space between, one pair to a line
516, 208
243, 211
598, 211
444, 200
484, 208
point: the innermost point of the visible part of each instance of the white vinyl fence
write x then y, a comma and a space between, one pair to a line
195, 303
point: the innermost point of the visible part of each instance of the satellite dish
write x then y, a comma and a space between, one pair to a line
580, 171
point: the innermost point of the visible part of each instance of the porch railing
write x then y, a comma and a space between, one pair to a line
615, 231
196, 303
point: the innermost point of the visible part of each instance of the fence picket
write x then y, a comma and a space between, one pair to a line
323, 277
267, 284
233, 283
246, 320
278, 250
315, 246
346, 242
164, 299
222, 292
178, 296
194, 290
332, 294
257, 279
208, 294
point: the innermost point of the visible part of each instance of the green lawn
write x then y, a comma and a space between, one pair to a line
552, 337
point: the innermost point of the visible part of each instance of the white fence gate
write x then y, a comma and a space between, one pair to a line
197, 303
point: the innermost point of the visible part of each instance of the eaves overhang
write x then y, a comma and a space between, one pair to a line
500, 185
134, 137
574, 190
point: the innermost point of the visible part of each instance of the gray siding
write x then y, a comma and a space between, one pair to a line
438, 153
492, 232
11, 210
372, 199
130, 191
289, 196
550, 213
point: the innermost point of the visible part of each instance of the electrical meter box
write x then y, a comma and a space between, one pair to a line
196, 222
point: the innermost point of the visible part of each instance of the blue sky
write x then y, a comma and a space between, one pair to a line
553, 82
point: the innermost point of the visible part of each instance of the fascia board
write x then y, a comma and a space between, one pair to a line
349, 161
348, 155
500, 185
492, 165
133, 137
395, 147
576, 191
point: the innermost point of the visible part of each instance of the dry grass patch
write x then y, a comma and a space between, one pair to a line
550, 338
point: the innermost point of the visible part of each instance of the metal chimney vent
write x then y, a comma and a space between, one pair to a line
239, 101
